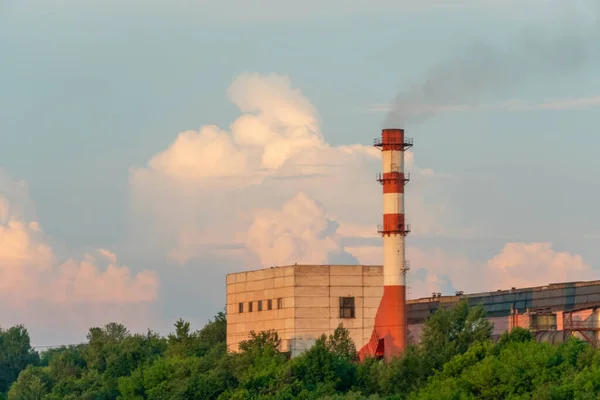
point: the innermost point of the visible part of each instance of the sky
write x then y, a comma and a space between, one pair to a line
147, 149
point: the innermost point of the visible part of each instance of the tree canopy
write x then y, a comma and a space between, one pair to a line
455, 360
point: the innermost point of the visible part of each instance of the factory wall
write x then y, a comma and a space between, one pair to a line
275, 284
310, 303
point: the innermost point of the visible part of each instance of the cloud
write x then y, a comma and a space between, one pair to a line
194, 244
564, 104
83, 281
14, 198
300, 232
32, 271
277, 124
515, 265
34, 277
423, 282
534, 264
109, 255
201, 195
218, 156
349, 229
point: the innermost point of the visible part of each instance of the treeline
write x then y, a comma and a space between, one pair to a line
456, 360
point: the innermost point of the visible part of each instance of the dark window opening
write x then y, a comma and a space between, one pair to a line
241, 307
269, 304
260, 305
279, 303
347, 307
249, 306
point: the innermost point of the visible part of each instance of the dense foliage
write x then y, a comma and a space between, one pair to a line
456, 360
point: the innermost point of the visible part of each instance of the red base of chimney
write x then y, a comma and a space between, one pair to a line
389, 336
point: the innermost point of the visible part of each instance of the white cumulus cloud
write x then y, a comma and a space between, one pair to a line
201, 194
300, 232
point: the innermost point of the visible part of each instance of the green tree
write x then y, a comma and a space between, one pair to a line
368, 376
16, 354
456, 360
33, 384
521, 368
215, 373
447, 333
406, 373
257, 365
65, 366
516, 335
341, 343
184, 342
100, 341
259, 341
213, 333
195, 366
451, 332
319, 372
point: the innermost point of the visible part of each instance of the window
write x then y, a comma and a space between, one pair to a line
241, 308
269, 304
249, 306
279, 303
260, 305
346, 307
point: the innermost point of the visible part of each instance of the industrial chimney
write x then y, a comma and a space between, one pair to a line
390, 330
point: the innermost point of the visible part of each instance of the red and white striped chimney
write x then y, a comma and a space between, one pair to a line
389, 336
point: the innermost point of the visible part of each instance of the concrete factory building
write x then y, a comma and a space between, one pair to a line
302, 302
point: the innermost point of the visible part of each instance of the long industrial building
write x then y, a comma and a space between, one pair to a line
302, 302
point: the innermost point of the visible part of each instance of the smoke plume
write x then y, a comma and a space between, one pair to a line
565, 48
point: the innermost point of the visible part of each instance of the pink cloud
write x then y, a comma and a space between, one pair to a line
30, 271
32, 277
535, 264
83, 281
515, 265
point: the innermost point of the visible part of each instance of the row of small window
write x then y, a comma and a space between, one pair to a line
260, 305
347, 307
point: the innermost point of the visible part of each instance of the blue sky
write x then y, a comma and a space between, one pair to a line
88, 92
